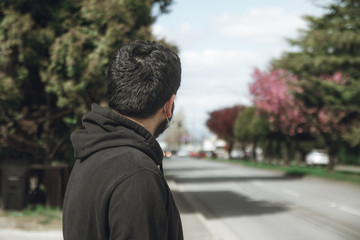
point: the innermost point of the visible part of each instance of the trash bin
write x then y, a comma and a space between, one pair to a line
14, 184
56, 179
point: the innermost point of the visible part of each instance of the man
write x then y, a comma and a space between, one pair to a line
116, 189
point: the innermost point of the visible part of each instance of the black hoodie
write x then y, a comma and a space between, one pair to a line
116, 190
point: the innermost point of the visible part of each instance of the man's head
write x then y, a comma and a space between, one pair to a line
142, 77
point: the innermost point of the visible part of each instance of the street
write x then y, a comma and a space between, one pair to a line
238, 202
224, 201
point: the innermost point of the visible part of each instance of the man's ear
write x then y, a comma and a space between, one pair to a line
168, 106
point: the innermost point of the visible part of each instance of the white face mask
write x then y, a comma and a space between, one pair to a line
168, 122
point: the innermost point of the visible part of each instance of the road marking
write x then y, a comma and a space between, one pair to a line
333, 204
257, 183
350, 210
345, 209
218, 229
291, 192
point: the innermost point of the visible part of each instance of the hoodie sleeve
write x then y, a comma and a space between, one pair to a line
137, 208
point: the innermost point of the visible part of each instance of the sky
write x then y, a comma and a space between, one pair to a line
222, 42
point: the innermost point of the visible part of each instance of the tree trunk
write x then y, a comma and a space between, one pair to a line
331, 165
230, 147
277, 154
332, 149
253, 154
243, 148
300, 155
332, 159
287, 151
268, 151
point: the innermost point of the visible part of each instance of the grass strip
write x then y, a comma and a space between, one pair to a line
45, 213
321, 172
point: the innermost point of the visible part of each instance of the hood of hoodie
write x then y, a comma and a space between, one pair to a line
106, 129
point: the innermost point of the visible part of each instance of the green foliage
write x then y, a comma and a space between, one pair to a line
300, 171
53, 62
329, 48
250, 126
329, 45
349, 155
43, 214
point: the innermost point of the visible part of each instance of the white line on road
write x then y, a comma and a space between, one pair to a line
333, 204
350, 210
215, 226
345, 209
258, 183
291, 192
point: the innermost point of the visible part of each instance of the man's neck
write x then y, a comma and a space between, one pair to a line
148, 123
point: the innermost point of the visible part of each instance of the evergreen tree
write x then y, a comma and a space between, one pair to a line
330, 45
329, 48
53, 60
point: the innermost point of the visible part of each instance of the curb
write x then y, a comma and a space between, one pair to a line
216, 228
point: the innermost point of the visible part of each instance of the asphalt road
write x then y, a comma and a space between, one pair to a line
237, 202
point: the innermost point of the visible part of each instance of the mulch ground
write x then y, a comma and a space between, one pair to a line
15, 220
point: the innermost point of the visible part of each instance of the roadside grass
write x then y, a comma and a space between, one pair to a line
43, 214
297, 171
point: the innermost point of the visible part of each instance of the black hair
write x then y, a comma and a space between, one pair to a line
142, 76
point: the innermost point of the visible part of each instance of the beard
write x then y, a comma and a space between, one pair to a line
164, 124
161, 128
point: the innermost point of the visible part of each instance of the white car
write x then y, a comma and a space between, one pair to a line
183, 153
317, 157
237, 154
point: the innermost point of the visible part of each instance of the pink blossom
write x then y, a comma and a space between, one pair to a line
272, 94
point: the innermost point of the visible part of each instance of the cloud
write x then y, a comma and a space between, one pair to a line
182, 34
213, 79
218, 54
198, 106
186, 28
216, 59
213, 71
219, 64
260, 24
159, 30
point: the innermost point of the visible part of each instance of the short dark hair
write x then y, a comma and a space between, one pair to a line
142, 76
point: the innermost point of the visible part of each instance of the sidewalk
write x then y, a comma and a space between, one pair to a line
27, 228
17, 234
348, 168
195, 226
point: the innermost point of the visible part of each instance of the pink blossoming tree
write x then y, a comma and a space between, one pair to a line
297, 108
272, 94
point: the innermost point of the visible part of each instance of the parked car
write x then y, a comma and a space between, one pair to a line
317, 157
201, 154
183, 153
237, 154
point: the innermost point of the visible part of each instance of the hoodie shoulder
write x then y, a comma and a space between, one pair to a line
105, 129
